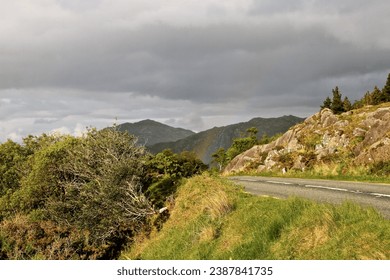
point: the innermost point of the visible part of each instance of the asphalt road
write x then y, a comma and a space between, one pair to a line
336, 192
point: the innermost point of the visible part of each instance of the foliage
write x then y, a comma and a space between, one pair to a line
241, 145
327, 103
375, 97
337, 104
22, 238
347, 106
165, 170
220, 158
378, 96
99, 184
381, 168
65, 197
287, 160
89, 188
185, 164
159, 191
386, 89
265, 139
12, 158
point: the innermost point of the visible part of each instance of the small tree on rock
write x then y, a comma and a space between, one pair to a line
327, 103
386, 90
337, 104
347, 104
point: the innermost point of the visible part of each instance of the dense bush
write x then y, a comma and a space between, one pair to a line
88, 187
164, 172
12, 159
65, 197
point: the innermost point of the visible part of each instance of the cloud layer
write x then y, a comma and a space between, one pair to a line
67, 64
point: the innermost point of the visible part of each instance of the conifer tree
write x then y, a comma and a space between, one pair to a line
378, 96
327, 103
386, 90
337, 104
367, 99
347, 104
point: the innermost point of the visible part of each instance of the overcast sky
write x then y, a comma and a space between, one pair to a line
69, 64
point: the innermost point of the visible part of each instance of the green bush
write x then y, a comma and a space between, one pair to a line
65, 197
164, 172
161, 190
381, 168
12, 159
89, 186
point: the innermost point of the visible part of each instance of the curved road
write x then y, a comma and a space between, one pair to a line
336, 192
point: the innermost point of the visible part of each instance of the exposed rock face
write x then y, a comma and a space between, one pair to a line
360, 136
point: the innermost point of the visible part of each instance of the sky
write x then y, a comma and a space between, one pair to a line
69, 64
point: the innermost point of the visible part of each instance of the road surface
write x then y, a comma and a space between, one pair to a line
336, 192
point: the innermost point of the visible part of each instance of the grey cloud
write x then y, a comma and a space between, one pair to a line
92, 62
45, 121
202, 64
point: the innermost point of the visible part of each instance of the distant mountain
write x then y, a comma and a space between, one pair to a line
205, 143
150, 132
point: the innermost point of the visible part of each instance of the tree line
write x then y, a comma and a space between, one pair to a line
339, 105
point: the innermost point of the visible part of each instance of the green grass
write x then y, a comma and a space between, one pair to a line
214, 219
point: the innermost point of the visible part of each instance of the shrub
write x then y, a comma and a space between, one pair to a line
12, 158
164, 172
381, 168
88, 187
159, 191
287, 160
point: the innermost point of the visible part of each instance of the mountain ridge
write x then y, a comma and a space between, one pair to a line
206, 142
150, 132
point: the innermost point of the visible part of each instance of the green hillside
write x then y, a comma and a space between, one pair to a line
205, 143
211, 218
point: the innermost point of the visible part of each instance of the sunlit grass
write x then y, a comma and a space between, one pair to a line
214, 219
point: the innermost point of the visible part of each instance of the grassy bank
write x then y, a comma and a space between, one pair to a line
327, 172
213, 219
350, 178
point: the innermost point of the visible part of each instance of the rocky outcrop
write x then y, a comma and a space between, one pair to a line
359, 136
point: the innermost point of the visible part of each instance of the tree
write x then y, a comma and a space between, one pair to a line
327, 103
378, 96
367, 99
337, 105
99, 179
220, 158
164, 172
167, 163
190, 165
386, 89
240, 145
252, 132
347, 106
